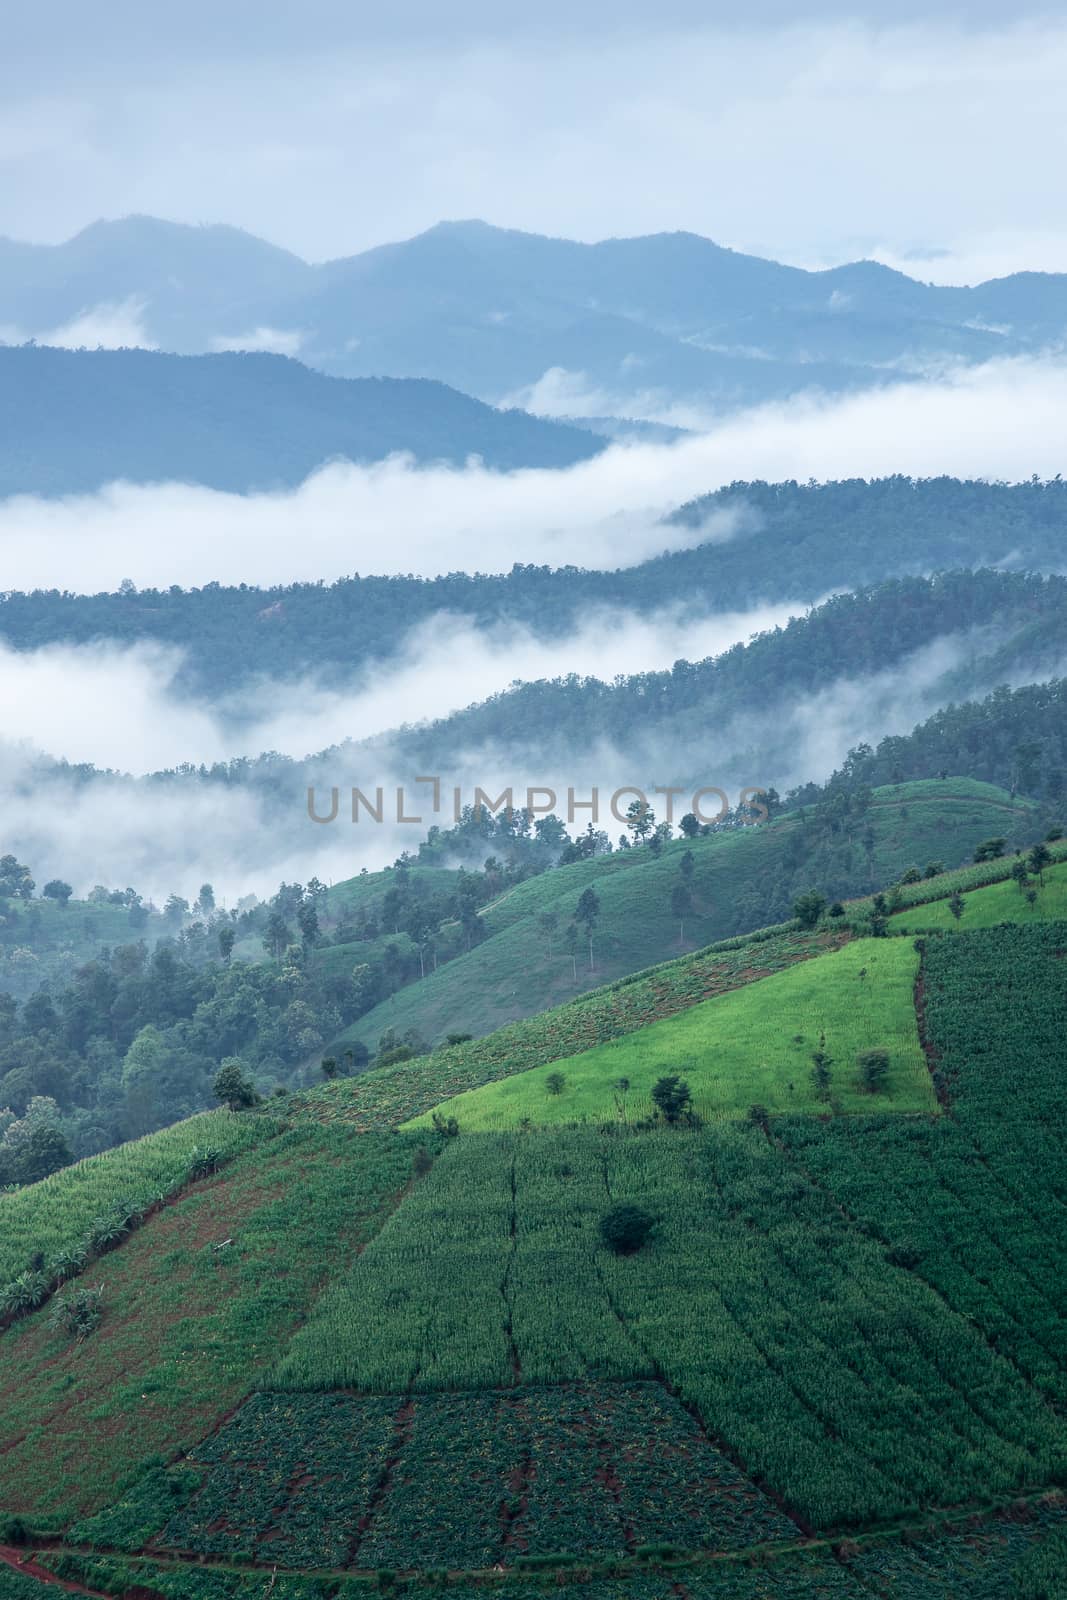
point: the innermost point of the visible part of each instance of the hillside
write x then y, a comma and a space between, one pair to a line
795, 544
490, 310
740, 879
840, 1325
73, 420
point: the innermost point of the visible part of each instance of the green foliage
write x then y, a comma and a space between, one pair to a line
625, 1228
671, 1097
755, 1042
77, 1313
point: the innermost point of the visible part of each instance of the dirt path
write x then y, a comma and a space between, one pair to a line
19, 1561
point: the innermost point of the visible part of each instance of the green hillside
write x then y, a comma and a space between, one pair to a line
999, 902
354, 1358
740, 880
752, 1046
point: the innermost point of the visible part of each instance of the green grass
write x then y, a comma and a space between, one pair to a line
56, 1214
513, 973
985, 908
751, 1046
195, 1305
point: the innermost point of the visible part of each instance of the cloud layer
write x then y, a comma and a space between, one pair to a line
1003, 420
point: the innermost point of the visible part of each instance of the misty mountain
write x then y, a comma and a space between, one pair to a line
71, 421
491, 311
791, 542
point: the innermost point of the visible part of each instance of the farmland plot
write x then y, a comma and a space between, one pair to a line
839, 1379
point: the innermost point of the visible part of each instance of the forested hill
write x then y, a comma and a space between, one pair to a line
72, 420
794, 542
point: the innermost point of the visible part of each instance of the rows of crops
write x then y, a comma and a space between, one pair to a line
56, 1215
392, 1095
446, 1481
195, 1305
1017, 1556
839, 1378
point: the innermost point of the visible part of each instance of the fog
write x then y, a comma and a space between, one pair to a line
603, 513
120, 707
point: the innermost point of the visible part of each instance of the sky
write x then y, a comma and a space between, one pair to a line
928, 135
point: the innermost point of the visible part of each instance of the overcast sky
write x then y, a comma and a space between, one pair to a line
811, 133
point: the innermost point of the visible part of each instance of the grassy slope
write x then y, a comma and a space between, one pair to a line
512, 975
985, 908
750, 1046
390, 1095
186, 1326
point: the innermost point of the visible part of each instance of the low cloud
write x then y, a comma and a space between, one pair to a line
602, 513
117, 325
276, 341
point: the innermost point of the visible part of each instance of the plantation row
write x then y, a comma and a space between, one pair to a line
194, 1306
996, 1003
839, 1378
446, 1481
1022, 1556
996, 1252
57, 1216
392, 1095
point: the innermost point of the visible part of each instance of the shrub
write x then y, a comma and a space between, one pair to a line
78, 1313
421, 1162
556, 1082
874, 1068
625, 1228
672, 1098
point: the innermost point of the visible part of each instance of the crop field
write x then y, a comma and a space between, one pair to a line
999, 902
1021, 1555
447, 1480
840, 1380
195, 1305
56, 1215
391, 1095
752, 1046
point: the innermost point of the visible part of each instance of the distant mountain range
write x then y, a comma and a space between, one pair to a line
71, 421
635, 325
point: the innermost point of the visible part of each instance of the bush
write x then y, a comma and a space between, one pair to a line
78, 1313
556, 1082
672, 1098
421, 1162
625, 1228
874, 1068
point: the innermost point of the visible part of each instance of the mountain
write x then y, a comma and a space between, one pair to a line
640, 323
71, 421
791, 542
803, 1346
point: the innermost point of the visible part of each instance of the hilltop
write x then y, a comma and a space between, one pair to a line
74, 420
492, 310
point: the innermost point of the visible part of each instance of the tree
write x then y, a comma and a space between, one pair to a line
990, 849
308, 920
809, 907
1039, 858
821, 1062
640, 819
910, 875
1020, 875
933, 869
956, 904
671, 1097
555, 1083
175, 910
277, 935
681, 907
686, 865
874, 1068
625, 1228
56, 889
547, 923
227, 940
585, 915
231, 1086
205, 900
690, 825
330, 1068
